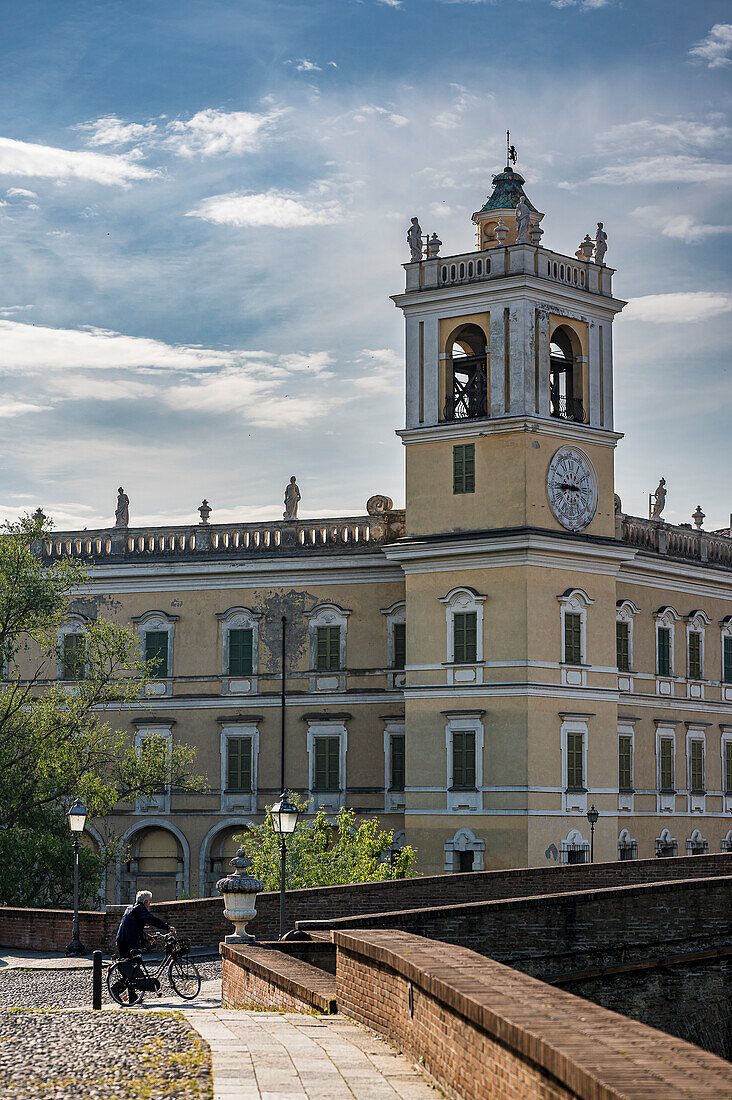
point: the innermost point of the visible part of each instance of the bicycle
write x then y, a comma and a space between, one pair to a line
128, 979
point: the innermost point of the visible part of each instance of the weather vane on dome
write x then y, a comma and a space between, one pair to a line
511, 154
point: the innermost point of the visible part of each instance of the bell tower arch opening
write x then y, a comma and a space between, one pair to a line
467, 374
565, 376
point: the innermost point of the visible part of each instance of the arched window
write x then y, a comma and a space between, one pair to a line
467, 380
565, 382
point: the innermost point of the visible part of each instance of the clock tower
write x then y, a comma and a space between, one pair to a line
509, 441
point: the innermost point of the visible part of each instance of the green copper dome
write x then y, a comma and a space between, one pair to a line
507, 190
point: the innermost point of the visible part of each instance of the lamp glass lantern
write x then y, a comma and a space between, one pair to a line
284, 816
592, 815
77, 816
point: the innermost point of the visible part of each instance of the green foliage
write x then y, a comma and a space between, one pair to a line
58, 740
323, 853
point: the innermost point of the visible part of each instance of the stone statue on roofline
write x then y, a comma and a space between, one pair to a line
600, 244
523, 215
659, 499
414, 240
122, 512
292, 499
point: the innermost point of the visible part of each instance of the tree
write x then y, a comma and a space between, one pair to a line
58, 739
321, 853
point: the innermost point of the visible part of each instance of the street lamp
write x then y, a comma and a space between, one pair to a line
284, 816
592, 816
77, 821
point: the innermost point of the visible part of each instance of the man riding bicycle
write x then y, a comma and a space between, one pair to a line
131, 933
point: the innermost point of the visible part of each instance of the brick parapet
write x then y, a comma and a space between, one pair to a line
255, 976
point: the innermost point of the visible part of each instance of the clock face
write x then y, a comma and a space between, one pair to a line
571, 485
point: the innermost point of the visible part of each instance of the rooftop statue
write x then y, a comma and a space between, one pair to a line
292, 499
659, 500
122, 512
414, 240
523, 213
600, 244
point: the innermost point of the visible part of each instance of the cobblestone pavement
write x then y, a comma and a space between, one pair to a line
70, 1055
273, 1056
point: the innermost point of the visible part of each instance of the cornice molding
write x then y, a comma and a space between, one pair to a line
510, 425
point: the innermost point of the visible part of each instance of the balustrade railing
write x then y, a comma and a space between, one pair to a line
676, 542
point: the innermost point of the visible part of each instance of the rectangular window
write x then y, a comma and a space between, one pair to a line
239, 764
695, 662
396, 779
155, 748
463, 760
572, 639
666, 749
465, 637
74, 652
156, 651
326, 770
728, 767
727, 661
463, 468
696, 767
622, 642
399, 642
625, 763
328, 657
240, 652
575, 762
664, 651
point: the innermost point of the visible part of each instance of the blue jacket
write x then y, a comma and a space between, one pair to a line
130, 931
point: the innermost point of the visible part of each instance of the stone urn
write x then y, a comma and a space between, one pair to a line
239, 891
501, 232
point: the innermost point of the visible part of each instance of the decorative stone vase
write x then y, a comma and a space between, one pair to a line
501, 232
239, 891
535, 234
587, 247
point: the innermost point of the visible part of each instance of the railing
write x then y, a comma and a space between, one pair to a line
354, 533
467, 398
676, 542
464, 269
567, 408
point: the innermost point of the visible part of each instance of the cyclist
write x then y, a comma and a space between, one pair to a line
131, 931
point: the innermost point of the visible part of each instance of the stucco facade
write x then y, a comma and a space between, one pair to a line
512, 685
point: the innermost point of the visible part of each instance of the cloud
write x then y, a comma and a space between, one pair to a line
383, 371
391, 3
20, 193
678, 227
20, 158
214, 133
277, 209
369, 111
664, 169
715, 49
680, 134
111, 130
583, 5
6, 310
463, 101
9, 407
685, 308
305, 65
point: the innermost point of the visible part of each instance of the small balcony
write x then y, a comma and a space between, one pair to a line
467, 396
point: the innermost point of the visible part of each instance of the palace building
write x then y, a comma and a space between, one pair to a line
478, 670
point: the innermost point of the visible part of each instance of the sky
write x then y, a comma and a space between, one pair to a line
203, 208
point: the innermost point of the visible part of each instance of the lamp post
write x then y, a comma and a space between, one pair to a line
77, 821
592, 816
284, 816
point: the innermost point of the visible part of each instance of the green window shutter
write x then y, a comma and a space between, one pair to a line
463, 468
240, 652
327, 764
73, 656
465, 637
463, 759
397, 762
696, 767
575, 762
328, 646
239, 764
399, 642
572, 639
727, 663
667, 764
664, 651
156, 650
622, 638
728, 767
695, 669
625, 764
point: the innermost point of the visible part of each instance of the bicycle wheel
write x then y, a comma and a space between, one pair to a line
119, 988
184, 978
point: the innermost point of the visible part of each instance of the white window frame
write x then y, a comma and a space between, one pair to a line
625, 840
626, 799
625, 612
239, 618
464, 722
328, 614
464, 840
696, 623
697, 802
74, 624
574, 601
666, 840
154, 803
725, 739
393, 800
725, 632
158, 621
696, 843
574, 802
665, 617
726, 844
328, 800
665, 801
397, 613
463, 600
573, 842
239, 801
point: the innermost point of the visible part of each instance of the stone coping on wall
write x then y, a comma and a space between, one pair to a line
309, 985
591, 1052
